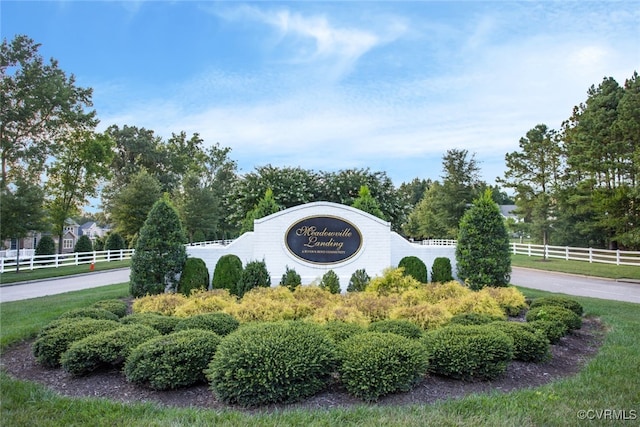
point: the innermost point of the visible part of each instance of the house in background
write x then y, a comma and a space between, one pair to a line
508, 212
70, 235
93, 231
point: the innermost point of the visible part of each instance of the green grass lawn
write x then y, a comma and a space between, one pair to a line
46, 273
611, 381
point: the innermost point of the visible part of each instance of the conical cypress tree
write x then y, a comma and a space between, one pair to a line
159, 253
482, 252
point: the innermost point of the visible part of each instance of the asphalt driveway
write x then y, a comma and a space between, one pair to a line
528, 278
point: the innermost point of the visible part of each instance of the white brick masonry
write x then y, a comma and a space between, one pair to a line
381, 248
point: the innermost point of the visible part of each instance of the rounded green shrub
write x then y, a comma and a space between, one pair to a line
358, 281
529, 345
172, 361
104, 349
552, 329
375, 364
46, 246
272, 362
195, 275
253, 275
56, 338
291, 279
115, 306
90, 312
473, 319
400, 327
83, 244
414, 267
114, 242
441, 270
331, 282
339, 331
559, 301
163, 324
474, 352
220, 323
555, 312
227, 273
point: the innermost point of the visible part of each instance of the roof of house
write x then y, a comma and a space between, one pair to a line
508, 211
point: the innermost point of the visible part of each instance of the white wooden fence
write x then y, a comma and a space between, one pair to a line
34, 262
605, 256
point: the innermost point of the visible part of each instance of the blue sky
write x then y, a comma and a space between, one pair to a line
333, 85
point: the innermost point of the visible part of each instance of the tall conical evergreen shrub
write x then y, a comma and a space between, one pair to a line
482, 251
160, 253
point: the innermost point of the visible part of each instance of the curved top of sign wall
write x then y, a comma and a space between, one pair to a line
322, 208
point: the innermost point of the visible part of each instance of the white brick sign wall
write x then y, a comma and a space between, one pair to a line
379, 248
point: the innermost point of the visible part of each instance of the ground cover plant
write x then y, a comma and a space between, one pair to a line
605, 379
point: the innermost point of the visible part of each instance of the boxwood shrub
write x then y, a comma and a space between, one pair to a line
56, 338
529, 344
115, 306
555, 312
90, 312
172, 361
163, 324
272, 362
552, 329
401, 327
104, 349
375, 364
441, 270
220, 323
227, 273
414, 267
339, 331
474, 352
195, 275
559, 301
473, 319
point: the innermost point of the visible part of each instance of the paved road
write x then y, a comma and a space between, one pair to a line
63, 284
576, 285
535, 279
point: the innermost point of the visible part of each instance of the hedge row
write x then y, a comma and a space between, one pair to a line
283, 361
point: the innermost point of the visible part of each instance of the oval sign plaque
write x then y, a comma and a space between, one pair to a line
323, 239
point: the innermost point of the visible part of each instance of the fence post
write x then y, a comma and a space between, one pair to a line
566, 253
57, 256
617, 256
2, 265
76, 257
590, 255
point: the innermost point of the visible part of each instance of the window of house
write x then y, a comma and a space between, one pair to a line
67, 244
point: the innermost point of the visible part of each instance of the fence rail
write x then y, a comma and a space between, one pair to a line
592, 255
34, 262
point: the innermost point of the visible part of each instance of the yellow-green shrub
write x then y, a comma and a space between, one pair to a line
427, 316
416, 296
264, 305
374, 306
392, 280
510, 299
474, 302
448, 290
308, 299
340, 312
163, 303
203, 302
